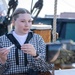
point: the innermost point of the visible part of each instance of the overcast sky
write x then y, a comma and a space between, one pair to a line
48, 6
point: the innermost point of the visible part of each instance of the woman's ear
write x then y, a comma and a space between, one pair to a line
13, 22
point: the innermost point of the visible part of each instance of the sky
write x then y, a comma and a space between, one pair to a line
48, 6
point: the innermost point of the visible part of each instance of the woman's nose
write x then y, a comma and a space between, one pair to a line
26, 24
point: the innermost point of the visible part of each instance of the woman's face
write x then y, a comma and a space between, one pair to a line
23, 24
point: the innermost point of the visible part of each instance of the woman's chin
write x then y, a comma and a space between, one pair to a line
25, 32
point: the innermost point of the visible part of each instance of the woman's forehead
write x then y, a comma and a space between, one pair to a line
25, 16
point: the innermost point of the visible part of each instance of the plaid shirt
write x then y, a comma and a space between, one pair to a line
10, 66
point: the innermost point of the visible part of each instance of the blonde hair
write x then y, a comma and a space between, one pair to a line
19, 11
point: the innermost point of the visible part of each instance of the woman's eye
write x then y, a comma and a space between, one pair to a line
22, 21
29, 21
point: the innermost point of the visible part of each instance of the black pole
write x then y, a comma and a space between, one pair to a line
31, 5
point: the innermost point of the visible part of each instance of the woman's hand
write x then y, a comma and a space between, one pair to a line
3, 55
29, 49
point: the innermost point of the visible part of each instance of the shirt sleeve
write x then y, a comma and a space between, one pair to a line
40, 63
3, 67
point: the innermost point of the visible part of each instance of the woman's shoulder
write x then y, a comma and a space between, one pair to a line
37, 35
3, 38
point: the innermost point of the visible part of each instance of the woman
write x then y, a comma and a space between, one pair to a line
28, 55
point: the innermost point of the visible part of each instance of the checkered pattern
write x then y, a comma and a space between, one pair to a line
38, 64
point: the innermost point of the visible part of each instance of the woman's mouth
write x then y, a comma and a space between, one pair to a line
25, 29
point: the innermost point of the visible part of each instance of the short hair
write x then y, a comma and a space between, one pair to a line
19, 11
